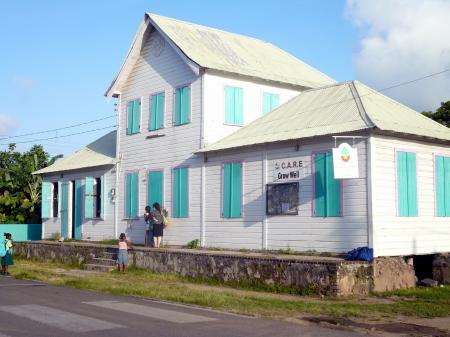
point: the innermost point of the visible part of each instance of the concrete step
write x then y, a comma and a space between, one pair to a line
109, 255
104, 261
98, 267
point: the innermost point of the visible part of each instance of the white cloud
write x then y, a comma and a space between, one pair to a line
403, 40
7, 124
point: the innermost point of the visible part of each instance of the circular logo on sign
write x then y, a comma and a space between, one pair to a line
345, 154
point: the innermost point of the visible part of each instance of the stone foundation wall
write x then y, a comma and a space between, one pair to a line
390, 273
441, 268
328, 276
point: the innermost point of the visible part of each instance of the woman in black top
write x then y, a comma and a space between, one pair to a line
158, 226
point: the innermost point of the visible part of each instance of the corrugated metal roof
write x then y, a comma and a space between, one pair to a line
332, 110
228, 52
99, 153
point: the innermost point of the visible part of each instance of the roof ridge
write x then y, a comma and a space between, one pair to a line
360, 105
207, 27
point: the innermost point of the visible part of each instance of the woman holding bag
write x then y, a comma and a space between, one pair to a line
158, 225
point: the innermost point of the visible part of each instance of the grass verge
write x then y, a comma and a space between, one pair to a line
171, 287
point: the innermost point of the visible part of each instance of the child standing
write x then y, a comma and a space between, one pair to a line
7, 260
122, 257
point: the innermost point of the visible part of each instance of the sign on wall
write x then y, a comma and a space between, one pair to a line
345, 162
288, 169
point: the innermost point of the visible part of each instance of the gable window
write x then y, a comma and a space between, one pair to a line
93, 197
182, 105
442, 176
270, 102
406, 184
327, 190
180, 193
131, 195
133, 117
155, 190
232, 190
234, 106
55, 199
156, 111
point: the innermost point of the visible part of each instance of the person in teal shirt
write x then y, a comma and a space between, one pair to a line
7, 260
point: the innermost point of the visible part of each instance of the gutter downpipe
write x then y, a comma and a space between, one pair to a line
118, 159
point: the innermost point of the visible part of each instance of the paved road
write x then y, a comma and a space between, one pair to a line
34, 309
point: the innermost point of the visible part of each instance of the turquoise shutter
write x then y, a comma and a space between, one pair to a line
176, 193
156, 111
180, 192
46, 199
447, 185
333, 189
319, 184
64, 209
402, 184
229, 105
232, 190
440, 186
102, 196
130, 116
412, 184
89, 198
128, 196
239, 106
136, 116
186, 105
178, 95
270, 102
134, 191
155, 187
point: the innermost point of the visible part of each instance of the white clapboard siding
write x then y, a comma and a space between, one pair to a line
91, 229
394, 235
153, 74
214, 101
301, 232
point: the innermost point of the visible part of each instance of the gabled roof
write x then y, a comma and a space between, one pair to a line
343, 107
223, 51
99, 153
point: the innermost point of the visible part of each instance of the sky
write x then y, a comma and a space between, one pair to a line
59, 57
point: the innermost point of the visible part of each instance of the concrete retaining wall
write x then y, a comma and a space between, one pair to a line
328, 276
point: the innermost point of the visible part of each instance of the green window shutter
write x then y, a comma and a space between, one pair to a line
440, 185
412, 184
155, 187
320, 184
180, 192
327, 189
234, 106
186, 105
447, 185
102, 197
46, 199
134, 116
406, 184
64, 209
270, 102
182, 105
402, 184
89, 198
132, 195
232, 190
157, 111
333, 189
238, 106
130, 116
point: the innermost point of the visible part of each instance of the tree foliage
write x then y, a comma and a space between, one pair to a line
441, 115
19, 188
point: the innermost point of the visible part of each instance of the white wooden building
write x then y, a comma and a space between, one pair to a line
196, 132
78, 193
